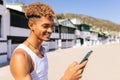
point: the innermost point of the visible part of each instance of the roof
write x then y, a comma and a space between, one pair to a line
76, 21
15, 10
66, 22
16, 6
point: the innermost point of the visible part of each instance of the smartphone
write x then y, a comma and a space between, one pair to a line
86, 56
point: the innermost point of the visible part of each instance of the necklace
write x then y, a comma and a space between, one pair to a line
31, 45
40, 51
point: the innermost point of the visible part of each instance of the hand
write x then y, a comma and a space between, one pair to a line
74, 71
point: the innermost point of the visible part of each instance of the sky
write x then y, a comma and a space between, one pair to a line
102, 9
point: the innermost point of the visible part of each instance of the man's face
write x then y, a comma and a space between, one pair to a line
43, 28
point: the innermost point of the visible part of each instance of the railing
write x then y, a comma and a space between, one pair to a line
53, 45
67, 36
55, 35
67, 44
13, 47
63, 36
16, 31
3, 47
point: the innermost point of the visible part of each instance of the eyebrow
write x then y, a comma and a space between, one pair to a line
48, 24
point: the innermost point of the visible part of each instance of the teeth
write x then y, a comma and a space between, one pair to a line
47, 34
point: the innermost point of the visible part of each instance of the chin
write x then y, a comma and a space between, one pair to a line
46, 40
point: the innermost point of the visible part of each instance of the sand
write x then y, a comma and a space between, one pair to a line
103, 64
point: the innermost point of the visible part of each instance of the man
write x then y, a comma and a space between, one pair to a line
29, 61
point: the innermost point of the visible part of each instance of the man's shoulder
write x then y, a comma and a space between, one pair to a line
19, 55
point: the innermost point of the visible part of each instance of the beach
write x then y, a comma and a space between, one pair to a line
103, 64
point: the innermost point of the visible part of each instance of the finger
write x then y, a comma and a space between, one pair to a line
82, 70
73, 64
82, 65
79, 73
79, 76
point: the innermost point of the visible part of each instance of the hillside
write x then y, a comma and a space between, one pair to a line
99, 24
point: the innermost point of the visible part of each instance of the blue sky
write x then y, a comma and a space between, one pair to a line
103, 9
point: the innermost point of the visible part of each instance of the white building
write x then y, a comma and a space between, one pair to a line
4, 30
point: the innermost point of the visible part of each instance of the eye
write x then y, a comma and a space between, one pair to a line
46, 26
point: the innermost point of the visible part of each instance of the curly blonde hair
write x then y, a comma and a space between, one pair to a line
39, 9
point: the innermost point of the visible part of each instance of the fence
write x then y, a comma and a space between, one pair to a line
3, 47
3, 51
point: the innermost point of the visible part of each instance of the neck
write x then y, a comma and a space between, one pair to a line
35, 42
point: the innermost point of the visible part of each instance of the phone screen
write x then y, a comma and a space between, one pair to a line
86, 56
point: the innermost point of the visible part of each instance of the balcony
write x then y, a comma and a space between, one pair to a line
67, 36
15, 31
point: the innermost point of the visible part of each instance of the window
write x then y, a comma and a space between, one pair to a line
55, 29
71, 30
1, 2
0, 25
17, 19
64, 29
84, 27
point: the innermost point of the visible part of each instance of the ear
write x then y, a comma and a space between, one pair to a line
31, 25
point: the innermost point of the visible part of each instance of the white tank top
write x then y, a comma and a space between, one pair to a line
40, 71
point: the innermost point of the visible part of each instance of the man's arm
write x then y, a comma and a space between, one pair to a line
19, 66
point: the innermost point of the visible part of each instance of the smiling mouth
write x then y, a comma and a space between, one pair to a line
47, 35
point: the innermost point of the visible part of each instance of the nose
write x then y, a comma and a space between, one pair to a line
50, 29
